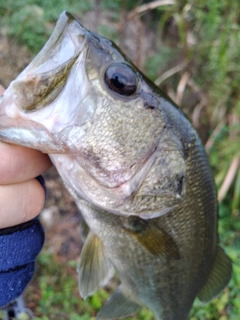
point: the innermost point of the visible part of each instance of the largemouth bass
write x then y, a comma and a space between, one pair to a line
135, 166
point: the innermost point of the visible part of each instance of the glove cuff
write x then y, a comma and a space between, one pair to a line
19, 246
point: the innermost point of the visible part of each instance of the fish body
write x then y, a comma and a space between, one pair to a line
135, 167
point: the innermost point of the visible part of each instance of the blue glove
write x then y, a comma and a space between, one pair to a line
19, 247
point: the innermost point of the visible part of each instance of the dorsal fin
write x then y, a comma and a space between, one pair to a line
218, 278
94, 267
118, 306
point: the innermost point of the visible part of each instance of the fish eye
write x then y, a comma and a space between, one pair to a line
121, 79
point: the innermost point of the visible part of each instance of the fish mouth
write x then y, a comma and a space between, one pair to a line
40, 84
63, 44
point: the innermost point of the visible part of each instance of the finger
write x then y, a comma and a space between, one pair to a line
1, 90
20, 202
19, 164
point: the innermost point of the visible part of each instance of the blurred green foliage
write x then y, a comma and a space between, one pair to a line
31, 22
206, 39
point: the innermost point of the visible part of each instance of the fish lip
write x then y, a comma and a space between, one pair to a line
67, 41
63, 22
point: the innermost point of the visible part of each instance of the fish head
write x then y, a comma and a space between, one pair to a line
86, 105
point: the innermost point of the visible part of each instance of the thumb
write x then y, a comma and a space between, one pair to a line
1, 89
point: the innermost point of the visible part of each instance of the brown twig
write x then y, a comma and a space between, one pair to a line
229, 178
197, 112
96, 13
202, 103
194, 86
181, 87
139, 42
220, 109
214, 135
150, 6
170, 72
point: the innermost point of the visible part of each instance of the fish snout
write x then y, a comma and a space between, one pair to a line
42, 81
47, 93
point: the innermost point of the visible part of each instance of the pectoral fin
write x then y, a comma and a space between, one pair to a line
94, 267
118, 306
84, 230
218, 278
152, 238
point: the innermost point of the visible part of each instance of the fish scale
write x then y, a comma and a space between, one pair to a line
135, 167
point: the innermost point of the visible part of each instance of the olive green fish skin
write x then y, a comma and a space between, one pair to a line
133, 163
167, 286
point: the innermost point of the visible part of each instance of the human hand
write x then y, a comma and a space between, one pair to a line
21, 200
21, 195
1, 90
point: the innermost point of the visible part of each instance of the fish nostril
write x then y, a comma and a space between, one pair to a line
180, 185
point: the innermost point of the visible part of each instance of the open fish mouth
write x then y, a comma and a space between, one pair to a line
47, 77
43, 79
